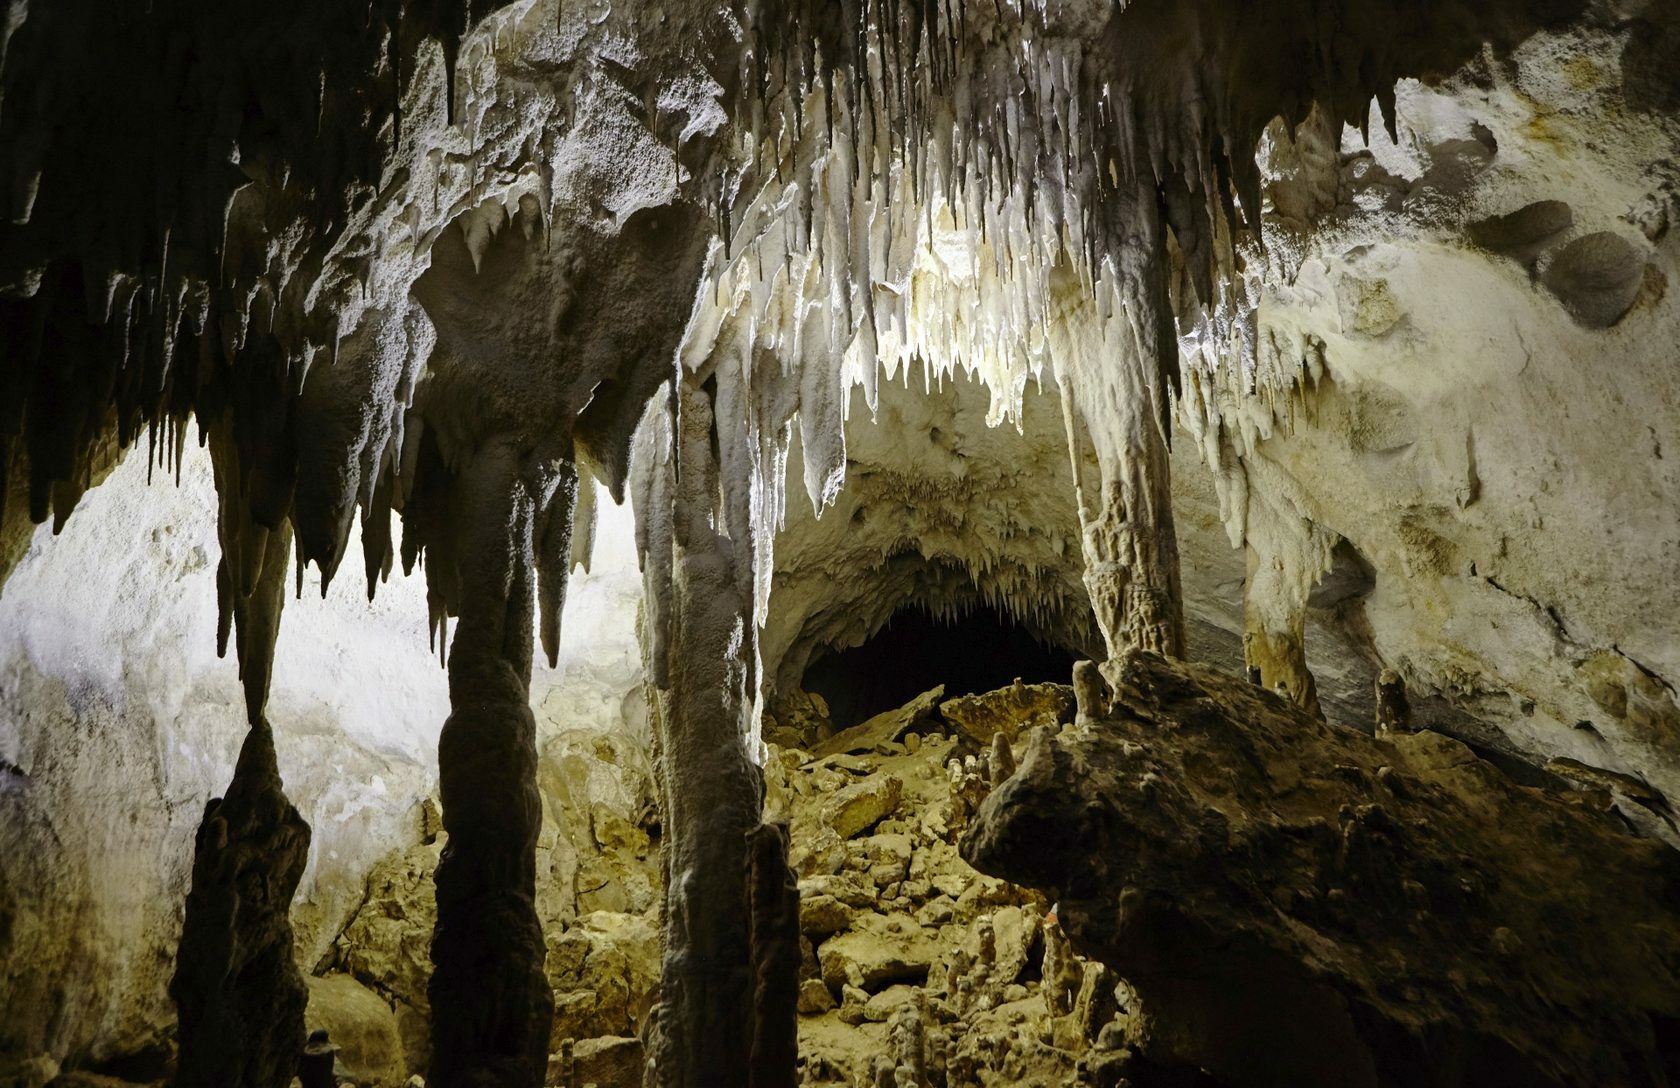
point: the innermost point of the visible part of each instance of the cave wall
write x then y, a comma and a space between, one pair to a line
1484, 326
118, 723
577, 193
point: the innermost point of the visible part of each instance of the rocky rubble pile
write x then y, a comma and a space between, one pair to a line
918, 970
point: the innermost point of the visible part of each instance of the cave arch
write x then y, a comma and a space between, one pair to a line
970, 651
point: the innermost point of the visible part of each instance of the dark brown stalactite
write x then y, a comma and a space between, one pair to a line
492, 1007
237, 986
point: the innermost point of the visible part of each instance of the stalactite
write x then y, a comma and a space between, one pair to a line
1116, 417
1286, 555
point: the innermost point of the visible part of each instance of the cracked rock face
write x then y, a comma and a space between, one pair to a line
1297, 903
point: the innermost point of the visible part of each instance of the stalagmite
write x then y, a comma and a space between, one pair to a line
773, 898
1394, 713
492, 1008
450, 255
236, 986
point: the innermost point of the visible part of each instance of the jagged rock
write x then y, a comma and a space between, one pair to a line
859, 807
387, 944
879, 949
1010, 711
878, 733
609, 1062
36, 1072
842, 886
823, 915
814, 997
880, 1007
361, 1025
605, 974
1299, 903
800, 720
80, 1079
886, 858
1015, 933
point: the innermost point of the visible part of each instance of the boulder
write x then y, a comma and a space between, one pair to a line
861, 806
879, 950
362, 1025
387, 944
610, 1062
1597, 277
1298, 903
880, 1008
814, 997
1010, 711
823, 915
876, 735
605, 972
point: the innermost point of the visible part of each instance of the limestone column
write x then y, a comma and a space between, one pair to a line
492, 1008
238, 994
1115, 378
714, 979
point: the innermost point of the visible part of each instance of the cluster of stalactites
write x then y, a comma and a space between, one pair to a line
248, 245
944, 180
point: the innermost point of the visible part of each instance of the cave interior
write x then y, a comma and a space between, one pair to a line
853, 543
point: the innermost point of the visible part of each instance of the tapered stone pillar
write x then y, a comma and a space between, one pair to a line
731, 909
237, 990
773, 899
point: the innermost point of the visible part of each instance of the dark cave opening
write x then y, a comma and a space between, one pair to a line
982, 650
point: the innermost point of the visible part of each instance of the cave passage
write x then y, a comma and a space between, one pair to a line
980, 651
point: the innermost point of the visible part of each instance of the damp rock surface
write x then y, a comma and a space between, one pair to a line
1299, 903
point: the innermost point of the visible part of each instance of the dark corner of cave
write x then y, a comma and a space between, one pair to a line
840, 544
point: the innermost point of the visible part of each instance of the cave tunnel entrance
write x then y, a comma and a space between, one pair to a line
981, 650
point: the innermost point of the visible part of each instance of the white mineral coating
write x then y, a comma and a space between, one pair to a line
941, 512
1501, 465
